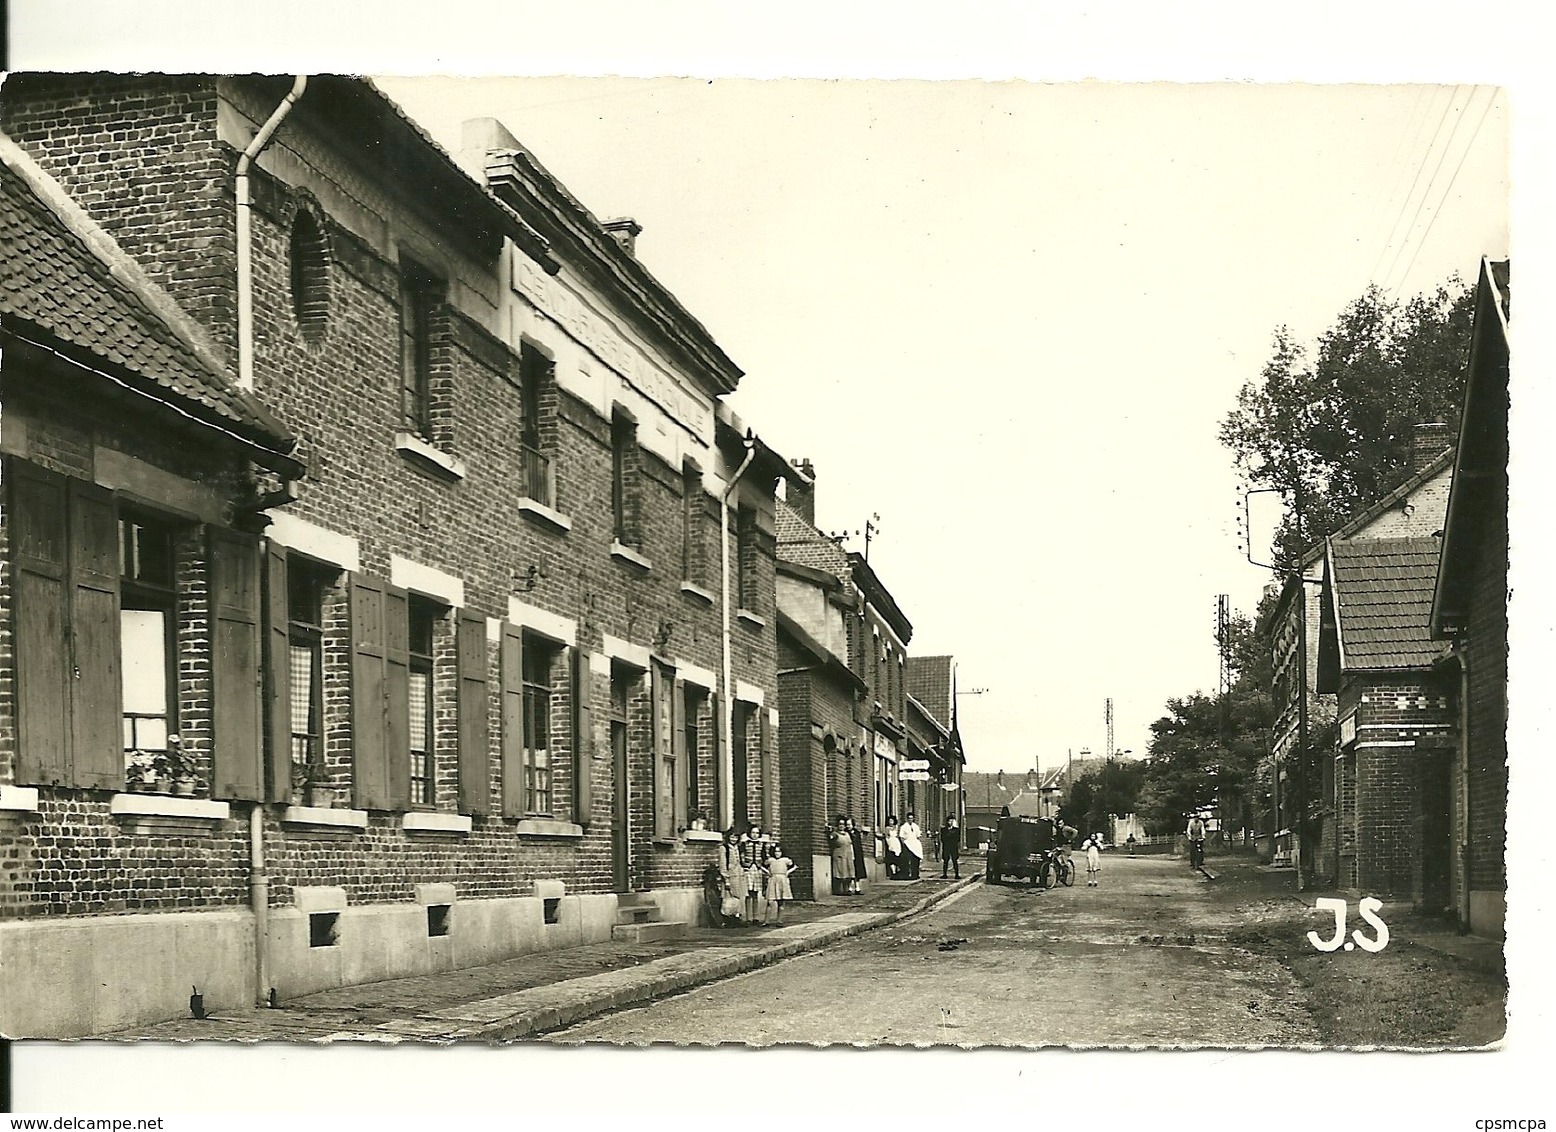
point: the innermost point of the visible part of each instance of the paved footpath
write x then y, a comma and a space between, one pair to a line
541, 991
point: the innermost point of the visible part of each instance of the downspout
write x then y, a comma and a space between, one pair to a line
727, 722
259, 879
1463, 790
244, 197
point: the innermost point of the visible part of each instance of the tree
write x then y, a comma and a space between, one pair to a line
1104, 792
1337, 428
1211, 750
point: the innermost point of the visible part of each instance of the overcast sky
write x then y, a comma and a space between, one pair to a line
1007, 318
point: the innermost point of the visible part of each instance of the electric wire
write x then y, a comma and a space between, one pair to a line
1427, 192
1410, 195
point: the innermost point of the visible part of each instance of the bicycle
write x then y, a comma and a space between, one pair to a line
1064, 869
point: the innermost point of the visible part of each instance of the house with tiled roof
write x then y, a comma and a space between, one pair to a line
1390, 774
1469, 614
1289, 830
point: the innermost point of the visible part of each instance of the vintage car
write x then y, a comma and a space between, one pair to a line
1021, 847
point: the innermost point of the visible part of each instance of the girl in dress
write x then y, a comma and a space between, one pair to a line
842, 857
778, 867
912, 836
734, 875
893, 849
1093, 847
856, 837
751, 868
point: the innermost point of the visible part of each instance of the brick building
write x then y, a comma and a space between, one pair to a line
1469, 610
1387, 778
513, 624
934, 738
1415, 509
860, 778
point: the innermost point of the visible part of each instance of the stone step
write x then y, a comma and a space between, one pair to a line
648, 932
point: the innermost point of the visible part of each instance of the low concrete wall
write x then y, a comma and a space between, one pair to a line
93, 974
90, 975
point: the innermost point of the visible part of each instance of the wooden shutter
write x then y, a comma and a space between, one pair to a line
661, 751
96, 714
678, 752
512, 674
236, 703
583, 738
278, 677
397, 698
769, 779
39, 537
475, 787
369, 694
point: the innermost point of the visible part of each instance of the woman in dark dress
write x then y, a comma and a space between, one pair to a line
860, 872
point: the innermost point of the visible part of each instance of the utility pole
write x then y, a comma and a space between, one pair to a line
1108, 713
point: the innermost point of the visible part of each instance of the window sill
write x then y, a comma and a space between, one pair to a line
324, 817
753, 620
423, 822
547, 515
702, 835
167, 806
419, 451
19, 799
621, 552
547, 827
697, 593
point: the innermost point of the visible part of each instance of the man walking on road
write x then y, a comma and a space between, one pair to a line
950, 847
1196, 841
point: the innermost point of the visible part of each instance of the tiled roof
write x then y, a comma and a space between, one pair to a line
929, 682
1383, 599
92, 305
804, 545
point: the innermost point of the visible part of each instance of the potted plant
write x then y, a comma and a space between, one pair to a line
140, 772
700, 819
176, 769
308, 785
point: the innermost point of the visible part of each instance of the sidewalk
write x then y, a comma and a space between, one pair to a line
542, 991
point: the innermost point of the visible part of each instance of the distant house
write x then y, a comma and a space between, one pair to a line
1388, 778
1469, 610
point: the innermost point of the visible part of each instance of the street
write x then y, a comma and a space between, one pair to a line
1143, 959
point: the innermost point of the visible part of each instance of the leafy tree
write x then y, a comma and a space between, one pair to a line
1211, 750
1110, 790
1336, 428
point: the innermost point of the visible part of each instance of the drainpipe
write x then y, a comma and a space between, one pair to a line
727, 781
259, 880
1463, 791
245, 238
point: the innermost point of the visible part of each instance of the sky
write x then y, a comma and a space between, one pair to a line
1007, 318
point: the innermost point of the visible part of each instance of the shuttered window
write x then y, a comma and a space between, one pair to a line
237, 703
583, 738
538, 657
421, 708
475, 789
380, 709
64, 546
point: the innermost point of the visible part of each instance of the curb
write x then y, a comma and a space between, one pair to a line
538, 1021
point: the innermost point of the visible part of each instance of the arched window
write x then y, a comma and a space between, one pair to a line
310, 271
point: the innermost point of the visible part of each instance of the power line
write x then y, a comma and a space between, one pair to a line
1458, 121
1397, 167
1436, 212
1420, 167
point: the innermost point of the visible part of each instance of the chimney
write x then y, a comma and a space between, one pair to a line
802, 497
1427, 444
625, 231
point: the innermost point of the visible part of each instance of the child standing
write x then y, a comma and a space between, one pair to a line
1093, 847
778, 867
751, 865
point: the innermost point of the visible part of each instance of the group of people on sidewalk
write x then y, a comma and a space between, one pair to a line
754, 876
904, 851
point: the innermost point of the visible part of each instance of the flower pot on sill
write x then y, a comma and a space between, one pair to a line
184, 788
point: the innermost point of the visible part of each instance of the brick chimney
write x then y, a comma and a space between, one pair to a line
802, 497
1428, 443
625, 231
